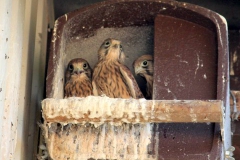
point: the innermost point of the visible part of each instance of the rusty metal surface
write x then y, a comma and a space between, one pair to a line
186, 56
191, 64
189, 141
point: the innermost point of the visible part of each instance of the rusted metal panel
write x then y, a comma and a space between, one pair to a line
186, 56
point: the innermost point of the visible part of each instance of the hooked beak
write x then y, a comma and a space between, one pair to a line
137, 71
78, 71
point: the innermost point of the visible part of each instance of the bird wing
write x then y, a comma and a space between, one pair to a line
96, 72
131, 82
95, 89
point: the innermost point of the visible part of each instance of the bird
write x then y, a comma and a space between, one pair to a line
143, 66
78, 79
110, 76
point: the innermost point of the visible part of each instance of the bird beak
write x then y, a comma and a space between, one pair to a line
78, 71
137, 71
116, 46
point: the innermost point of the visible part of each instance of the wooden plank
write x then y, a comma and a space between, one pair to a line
14, 94
98, 110
38, 74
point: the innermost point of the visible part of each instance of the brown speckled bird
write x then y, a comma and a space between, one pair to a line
143, 66
78, 79
110, 76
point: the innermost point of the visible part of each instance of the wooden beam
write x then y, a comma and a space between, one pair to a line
98, 110
38, 74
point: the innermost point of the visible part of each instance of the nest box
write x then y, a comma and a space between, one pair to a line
183, 121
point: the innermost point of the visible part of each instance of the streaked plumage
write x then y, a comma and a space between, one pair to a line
110, 76
143, 66
78, 79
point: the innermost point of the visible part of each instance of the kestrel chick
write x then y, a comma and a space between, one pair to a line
78, 78
143, 66
110, 76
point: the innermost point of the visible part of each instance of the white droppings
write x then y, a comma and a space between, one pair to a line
158, 79
205, 76
223, 77
180, 83
55, 32
193, 116
166, 84
166, 81
66, 17
127, 141
208, 157
184, 61
168, 90
198, 64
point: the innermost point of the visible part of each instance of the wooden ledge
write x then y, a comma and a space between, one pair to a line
98, 110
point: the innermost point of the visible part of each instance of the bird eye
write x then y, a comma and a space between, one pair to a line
121, 47
85, 65
70, 67
107, 44
145, 63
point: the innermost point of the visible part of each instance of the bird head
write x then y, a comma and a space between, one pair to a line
112, 50
78, 67
143, 65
